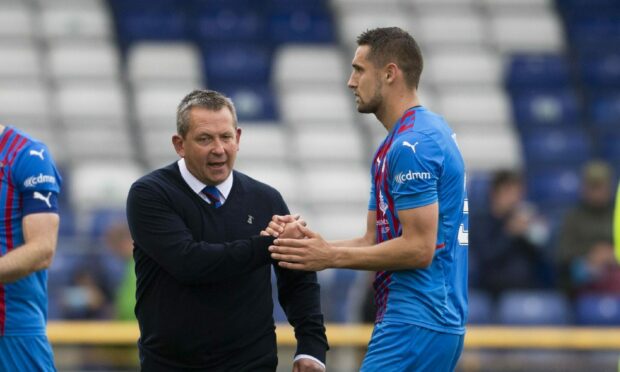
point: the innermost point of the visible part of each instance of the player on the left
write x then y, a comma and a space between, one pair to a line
29, 187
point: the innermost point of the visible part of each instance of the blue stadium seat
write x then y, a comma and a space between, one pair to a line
527, 71
294, 5
608, 142
604, 110
229, 24
481, 310
124, 6
598, 310
236, 64
533, 308
151, 25
553, 187
254, 102
601, 70
215, 5
301, 27
556, 147
589, 34
546, 108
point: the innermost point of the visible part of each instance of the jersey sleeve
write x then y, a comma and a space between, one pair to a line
415, 163
35, 170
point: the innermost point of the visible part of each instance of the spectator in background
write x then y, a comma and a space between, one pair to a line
508, 238
585, 254
118, 239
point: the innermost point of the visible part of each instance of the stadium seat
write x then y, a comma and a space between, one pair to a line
301, 26
489, 149
309, 65
156, 107
443, 4
156, 144
151, 26
162, 63
598, 310
474, 108
537, 71
601, 71
26, 105
604, 110
475, 68
440, 29
536, 31
263, 142
546, 108
316, 144
72, 61
556, 147
20, 63
83, 105
230, 24
62, 21
553, 186
592, 33
336, 185
16, 22
355, 21
281, 175
237, 64
533, 308
300, 106
517, 5
102, 184
253, 102
480, 305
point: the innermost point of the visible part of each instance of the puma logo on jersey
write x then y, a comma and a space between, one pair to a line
37, 153
405, 143
46, 199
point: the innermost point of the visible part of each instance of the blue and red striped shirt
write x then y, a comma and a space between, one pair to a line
418, 164
29, 183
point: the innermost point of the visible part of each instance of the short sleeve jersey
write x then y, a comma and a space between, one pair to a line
418, 164
29, 183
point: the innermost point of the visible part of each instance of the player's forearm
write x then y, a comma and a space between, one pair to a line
24, 260
395, 254
355, 242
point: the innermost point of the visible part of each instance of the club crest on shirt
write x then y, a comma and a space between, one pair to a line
250, 219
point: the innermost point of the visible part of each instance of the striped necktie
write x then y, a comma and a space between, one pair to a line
213, 194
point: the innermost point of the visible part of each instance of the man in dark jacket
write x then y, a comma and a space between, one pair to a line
203, 272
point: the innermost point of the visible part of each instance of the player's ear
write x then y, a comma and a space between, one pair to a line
390, 72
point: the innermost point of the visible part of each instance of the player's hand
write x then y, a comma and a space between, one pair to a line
310, 254
307, 365
278, 226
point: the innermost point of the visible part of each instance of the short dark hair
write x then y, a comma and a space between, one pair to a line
503, 177
209, 99
392, 44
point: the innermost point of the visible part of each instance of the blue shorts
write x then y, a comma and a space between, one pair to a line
406, 347
26, 353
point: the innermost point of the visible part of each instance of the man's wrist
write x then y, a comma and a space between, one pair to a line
306, 356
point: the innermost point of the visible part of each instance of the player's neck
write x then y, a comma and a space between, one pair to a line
394, 108
1, 128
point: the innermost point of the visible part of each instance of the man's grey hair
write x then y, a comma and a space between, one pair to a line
208, 99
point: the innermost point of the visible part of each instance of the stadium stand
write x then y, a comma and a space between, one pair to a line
533, 83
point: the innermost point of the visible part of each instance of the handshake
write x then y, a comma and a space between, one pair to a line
296, 246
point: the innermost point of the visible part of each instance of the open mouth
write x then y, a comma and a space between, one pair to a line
216, 164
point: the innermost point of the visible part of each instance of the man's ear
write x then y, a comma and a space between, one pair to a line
177, 142
391, 70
